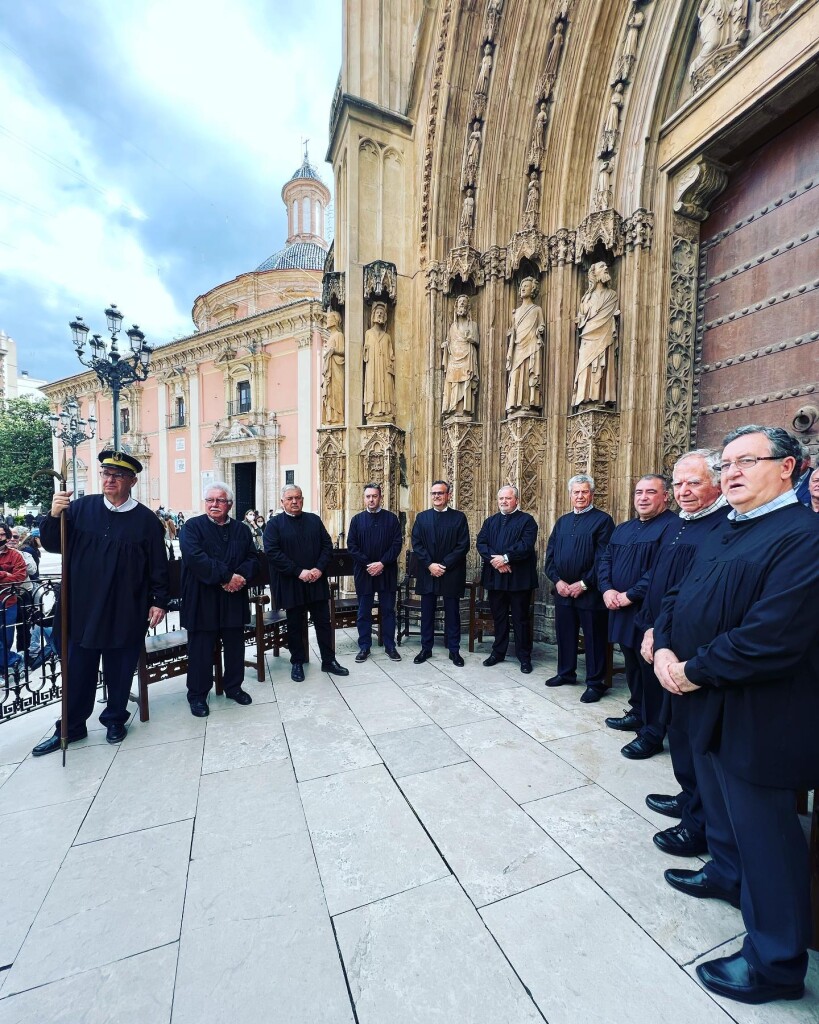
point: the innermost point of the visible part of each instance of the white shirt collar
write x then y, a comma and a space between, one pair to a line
126, 506
580, 512
703, 512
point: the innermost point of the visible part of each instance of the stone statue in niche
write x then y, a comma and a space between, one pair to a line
628, 55
531, 213
537, 146
473, 155
482, 84
460, 362
602, 196
722, 31
379, 369
611, 127
524, 354
549, 76
596, 379
467, 221
493, 14
332, 372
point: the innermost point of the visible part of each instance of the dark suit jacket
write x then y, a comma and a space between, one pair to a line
515, 536
211, 554
293, 544
375, 537
441, 537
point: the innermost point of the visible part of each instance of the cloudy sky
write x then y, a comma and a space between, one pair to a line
143, 147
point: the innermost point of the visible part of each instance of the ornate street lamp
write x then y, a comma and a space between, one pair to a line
72, 430
114, 369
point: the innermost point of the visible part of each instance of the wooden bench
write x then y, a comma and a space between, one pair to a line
268, 626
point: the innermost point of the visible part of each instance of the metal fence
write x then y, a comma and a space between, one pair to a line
29, 662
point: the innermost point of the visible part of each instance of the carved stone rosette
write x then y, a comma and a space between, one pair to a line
462, 449
381, 456
380, 281
332, 460
332, 288
604, 226
678, 408
522, 449
592, 446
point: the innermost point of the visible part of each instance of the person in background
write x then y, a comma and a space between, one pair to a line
13, 573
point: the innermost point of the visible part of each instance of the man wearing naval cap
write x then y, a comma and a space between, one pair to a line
118, 587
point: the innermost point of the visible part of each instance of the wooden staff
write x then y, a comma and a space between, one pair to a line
61, 476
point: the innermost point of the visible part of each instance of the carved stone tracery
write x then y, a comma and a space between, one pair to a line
522, 450
592, 446
680, 349
380, 458
332, 469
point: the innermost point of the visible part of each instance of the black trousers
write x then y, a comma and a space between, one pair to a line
452, 622
118, 667
653, 708
634, 678
364, 619
296, 625
502, 603
569, 620
201, 643
682, 761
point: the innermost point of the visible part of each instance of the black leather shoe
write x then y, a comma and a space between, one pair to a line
630, 722
640, 749
680, 841
199, 708
362, 655
695, 883
393, 655
115, 733
421, 657
297, 672
526, 668
493, 659
591, 695
456, 659
560, 681
50, 744
334, 667
734, 977
240, 696
670, 806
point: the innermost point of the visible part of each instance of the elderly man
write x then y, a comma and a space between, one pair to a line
813, 491
218, 559
118, 577
298, 551
506, 544
440, 541
623, 570
739, 640
703, 509
374, 540
576, 540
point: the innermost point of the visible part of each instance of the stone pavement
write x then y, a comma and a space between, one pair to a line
410, 844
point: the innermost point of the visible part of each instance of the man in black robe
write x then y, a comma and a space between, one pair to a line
298, 551
574, 544
374, 540
623, 570
739, 640
440, 542
218, 559
506, 543
118, 576
703, 508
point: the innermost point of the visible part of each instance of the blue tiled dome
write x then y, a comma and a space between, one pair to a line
307, 170
296, 256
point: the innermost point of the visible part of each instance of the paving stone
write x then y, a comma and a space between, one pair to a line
539, 717
248, 735
42, 781
417, 750
325, 741
383, 707
448, 704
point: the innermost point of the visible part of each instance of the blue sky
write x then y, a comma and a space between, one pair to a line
143, 147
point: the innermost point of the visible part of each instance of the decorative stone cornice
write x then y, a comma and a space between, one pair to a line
332, 287
604, 226
380, 281
532, 245
697, 186
464, 262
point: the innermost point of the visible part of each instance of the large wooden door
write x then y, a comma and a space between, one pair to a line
758, 315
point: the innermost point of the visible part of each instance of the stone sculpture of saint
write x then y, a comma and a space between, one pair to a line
482, 84
714, 30
493, 14
473, 155
532, 210
467, 220
537, 147
379, 369
332, 372
524, 354
460, 362
549, 76
596, 379
611, 127
629, 54
602, 197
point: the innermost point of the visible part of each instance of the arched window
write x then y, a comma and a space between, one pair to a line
124, 421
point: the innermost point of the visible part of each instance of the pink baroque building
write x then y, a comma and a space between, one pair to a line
238, 400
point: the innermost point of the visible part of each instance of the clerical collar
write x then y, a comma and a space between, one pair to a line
580, 511
126, 506
219, 524
291, 514
514, 510
372, 511
780, 501
703, 512
444, 509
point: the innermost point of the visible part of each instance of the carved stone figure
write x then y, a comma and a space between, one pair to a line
379, 369
332, 372
722, 31
493, 14
611, 127
524, 354
473, 155
628, 54
596, 378
482, 84
549, 76
532, 210
537, 147
602, 197
467, 220
460, 362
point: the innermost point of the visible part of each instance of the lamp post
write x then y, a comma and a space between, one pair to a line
114, 369
70, 428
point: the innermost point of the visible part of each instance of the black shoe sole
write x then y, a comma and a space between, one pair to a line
753, 997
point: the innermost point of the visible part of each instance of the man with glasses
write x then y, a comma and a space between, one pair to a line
739, 641
218, 559
118, 587
440, 541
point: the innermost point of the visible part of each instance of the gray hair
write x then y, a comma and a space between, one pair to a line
711, 459
22, 532
291, 487
509, 487
220, 485
657, 476
581, 478
783, 445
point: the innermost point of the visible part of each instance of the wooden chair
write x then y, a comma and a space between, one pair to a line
268, 626
408, 609
480, 614
343, 609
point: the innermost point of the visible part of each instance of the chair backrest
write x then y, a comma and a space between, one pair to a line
341, 563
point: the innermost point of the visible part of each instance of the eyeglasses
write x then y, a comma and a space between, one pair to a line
749, 461
217, 501
439, 494
15, 536
108, 474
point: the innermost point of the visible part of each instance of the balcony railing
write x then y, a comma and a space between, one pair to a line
239, 407
175, 420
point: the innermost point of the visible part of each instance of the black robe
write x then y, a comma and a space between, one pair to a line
293, 544
744, 621
375, 537
117, 571
515, 536
571, 553
624, 565
441, 537
211, 554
